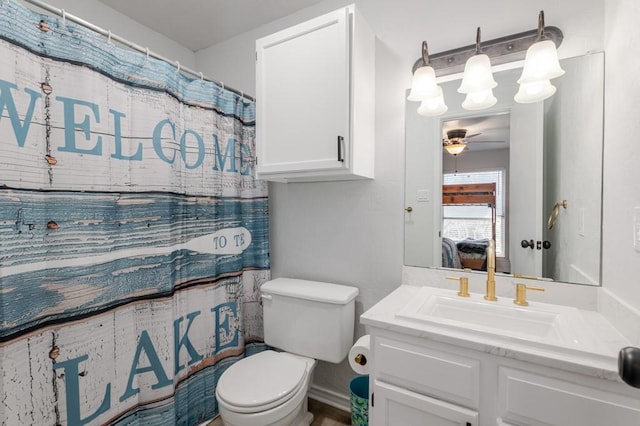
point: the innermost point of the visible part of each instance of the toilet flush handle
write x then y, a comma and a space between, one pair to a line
266, 296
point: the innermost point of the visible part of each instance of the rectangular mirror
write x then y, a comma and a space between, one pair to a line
545, 160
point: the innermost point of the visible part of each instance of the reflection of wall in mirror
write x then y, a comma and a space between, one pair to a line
419, 233
574, 130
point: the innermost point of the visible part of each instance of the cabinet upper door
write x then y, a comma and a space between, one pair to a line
303, 91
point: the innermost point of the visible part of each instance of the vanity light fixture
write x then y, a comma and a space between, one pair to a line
538, 46
477, 81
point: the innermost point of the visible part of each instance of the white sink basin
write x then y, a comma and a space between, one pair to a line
490, 315
540, 322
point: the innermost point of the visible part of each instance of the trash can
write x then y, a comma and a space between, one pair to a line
359, 389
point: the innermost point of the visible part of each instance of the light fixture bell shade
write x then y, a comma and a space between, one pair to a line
477, 75
534, 92
455, 148
433, 106
423, 85
541, 63
479, 100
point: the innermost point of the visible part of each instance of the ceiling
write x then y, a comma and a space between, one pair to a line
197, 24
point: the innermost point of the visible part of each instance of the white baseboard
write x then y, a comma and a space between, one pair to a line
329, 397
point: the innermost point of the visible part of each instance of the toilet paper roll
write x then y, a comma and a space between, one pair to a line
359, 355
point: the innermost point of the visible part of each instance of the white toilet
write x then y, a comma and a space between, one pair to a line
310, 320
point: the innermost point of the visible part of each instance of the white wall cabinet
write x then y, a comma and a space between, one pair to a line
421, 381
315, 100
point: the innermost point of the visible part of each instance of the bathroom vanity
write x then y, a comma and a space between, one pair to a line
441, 359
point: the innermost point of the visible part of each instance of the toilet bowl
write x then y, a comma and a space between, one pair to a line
266, 389
307, 321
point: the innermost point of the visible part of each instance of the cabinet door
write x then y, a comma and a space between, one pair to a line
531, 399
302, 90
395, 406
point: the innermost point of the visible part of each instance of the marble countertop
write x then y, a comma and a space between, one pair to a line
599, 361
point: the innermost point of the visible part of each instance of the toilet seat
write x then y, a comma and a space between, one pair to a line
262, 381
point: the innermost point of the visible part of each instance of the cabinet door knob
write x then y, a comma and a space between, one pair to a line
408, 209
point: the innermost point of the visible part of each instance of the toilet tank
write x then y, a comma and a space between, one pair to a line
309, 318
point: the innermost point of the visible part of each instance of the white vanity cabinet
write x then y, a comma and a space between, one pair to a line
315, 100
423, 381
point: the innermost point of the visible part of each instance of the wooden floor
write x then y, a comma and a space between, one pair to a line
323, 415
326, 415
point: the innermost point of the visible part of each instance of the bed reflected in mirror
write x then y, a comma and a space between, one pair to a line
469, 219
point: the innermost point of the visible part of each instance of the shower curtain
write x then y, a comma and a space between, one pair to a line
133, 234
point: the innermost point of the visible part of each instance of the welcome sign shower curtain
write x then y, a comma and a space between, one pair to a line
133, 235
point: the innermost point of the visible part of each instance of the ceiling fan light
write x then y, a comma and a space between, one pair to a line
534, 92
423, 85
455, 148
477, 75
433, 106
479, 100
541, 63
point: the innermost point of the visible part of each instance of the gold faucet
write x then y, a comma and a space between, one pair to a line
521, 294
491, 272
464, 285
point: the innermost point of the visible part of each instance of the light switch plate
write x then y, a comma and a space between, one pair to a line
581, 222
636, 228
423, 195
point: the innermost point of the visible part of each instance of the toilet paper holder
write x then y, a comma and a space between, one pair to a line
360, 359
358, 355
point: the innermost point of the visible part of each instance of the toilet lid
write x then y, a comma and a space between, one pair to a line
261, 381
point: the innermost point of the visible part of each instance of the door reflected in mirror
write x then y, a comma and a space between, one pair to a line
535, 155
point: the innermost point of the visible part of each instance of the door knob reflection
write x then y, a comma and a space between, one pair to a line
525, 244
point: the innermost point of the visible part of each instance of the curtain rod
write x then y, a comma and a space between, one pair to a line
130, 44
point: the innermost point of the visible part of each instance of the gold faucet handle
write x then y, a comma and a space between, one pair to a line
521, 294
464, 285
